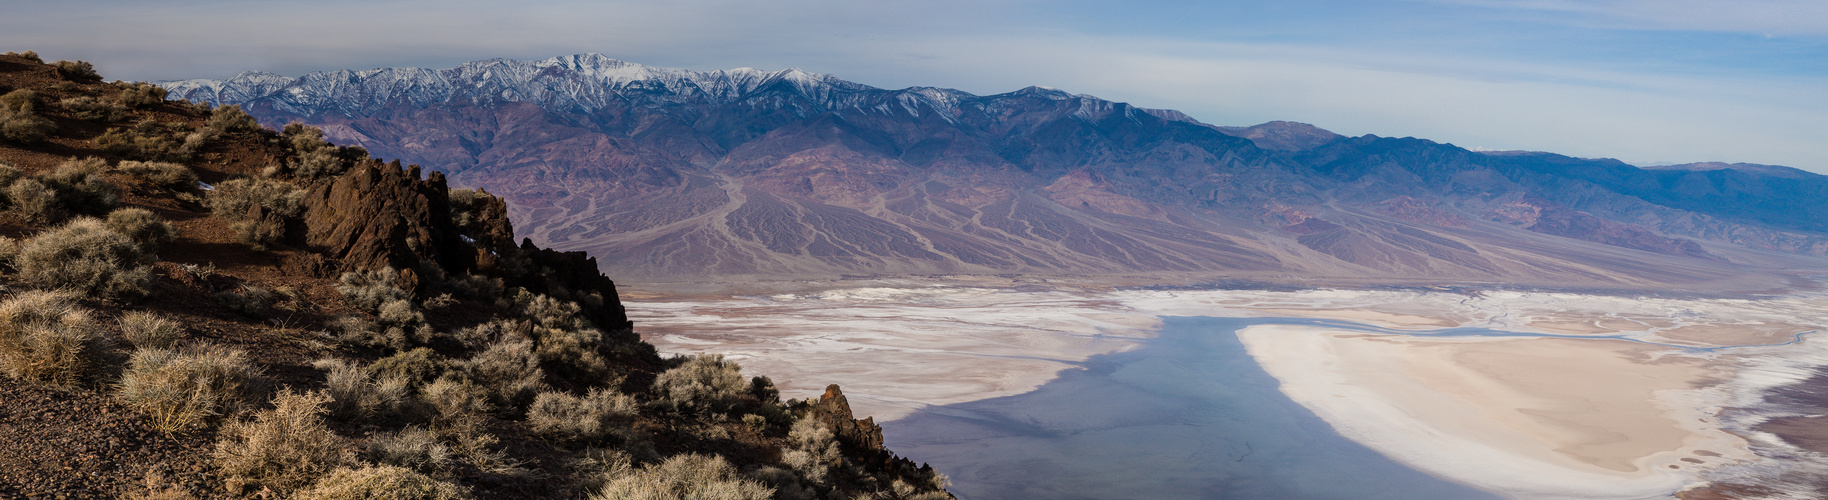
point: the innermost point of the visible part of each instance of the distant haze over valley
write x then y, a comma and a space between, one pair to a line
666, 174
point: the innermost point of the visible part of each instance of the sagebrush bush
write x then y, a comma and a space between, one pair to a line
704, 383
163, 174
183, 389
142, 95
414, 448
95, 109
312, 157
19, 120
371, 289
381, 482
417, 366
29, 55
566, 417
86, 257
9, 174
510, 369
33, 200
814, 451
681, 477
45, 337
149, 140
232, 199
80, 186
146, 329
77, 70
231, 119
285, 448
354, 395
455, 405
144, 228
360, 331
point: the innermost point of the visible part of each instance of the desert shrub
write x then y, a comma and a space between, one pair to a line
79, 186
19, 120
414, 448
77, 70
689, 476
148, 140
568, 345
162, 174
417, 367
142, 95
285, 448
360, 331
258, 234
46, 337
455, 405
704, 384
380, 482
371, 289
145, 329
85, 256
763, 389
232, 199
907, 491
312, 156
183, 389
510, 369
355, 395
9, 174
814, 450
147, 230
95, 109
786, 483
231, 119
566, 417
29, 55
248, 300
400, 318
33, 200
474, 286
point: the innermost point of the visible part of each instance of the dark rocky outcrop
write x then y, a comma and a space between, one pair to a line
835, 412
381, 215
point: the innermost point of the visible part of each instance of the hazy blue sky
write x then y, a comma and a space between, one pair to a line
1638, 80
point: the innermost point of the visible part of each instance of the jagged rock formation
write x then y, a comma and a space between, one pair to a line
668, 173
512, 369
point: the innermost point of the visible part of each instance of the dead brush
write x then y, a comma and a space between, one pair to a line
184, 389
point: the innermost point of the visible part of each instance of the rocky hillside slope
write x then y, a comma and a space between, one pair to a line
667, 173
192, 306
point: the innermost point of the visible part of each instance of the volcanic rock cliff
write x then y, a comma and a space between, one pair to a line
194, 306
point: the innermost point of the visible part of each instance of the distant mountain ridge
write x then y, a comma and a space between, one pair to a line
678, 173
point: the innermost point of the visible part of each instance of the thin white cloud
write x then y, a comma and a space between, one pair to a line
1765, 17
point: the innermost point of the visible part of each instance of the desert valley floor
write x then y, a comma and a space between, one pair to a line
1522, 394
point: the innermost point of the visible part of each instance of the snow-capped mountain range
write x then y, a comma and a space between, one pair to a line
670, 172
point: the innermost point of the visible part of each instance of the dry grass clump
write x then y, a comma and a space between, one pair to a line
86, 257
45, 337
682, 477
414, 448
19, 120
183, 389
454, 405
417, 366
355, 395
162, 174
145, 329
380, 482
146, 229
593, 417
285, 448
704, 383
95, 109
